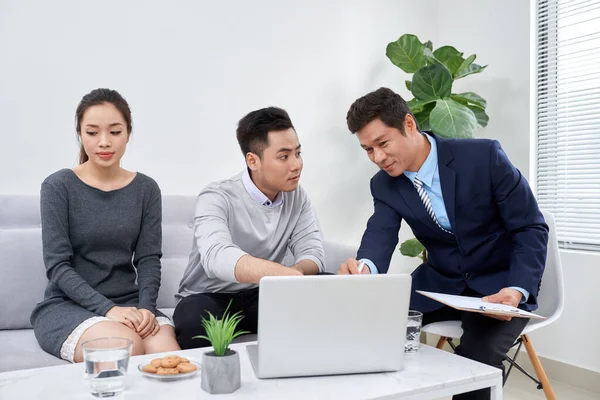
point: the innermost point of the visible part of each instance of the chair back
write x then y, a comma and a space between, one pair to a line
551, 296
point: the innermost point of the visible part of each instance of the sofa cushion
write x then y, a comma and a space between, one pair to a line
171, 273
168, 312
21, 267
20, 350
23, 275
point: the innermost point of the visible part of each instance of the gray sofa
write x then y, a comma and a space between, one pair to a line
23, 279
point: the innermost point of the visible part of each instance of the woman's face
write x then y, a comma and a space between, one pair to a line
104, 135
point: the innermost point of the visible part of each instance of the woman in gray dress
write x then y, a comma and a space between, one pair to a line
101, 227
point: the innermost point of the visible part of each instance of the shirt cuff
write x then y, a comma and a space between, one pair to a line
523, 291
371, 266
227, 261
313, 259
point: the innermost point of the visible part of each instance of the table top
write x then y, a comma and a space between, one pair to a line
426, 372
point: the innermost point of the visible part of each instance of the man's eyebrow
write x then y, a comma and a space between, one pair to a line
287, 150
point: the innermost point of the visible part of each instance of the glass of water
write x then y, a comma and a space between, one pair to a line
106, 361
413, 332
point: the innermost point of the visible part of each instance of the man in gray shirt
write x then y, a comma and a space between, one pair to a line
243, 227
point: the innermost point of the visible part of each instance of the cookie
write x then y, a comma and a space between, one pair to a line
186, 367
156, 363
184, 360
170, 361
150, 368
167, 371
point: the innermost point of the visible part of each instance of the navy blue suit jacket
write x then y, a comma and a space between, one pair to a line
500, 236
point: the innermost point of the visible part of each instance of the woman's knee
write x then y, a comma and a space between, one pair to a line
162, 342
109, 329
138, 346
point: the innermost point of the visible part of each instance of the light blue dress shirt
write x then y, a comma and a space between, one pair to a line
429, 174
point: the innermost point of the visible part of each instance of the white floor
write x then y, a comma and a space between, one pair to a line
519, 387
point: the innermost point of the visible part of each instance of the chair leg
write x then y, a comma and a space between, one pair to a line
441, 342
451, 343
537, 366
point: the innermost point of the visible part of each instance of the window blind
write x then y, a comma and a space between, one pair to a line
568, 119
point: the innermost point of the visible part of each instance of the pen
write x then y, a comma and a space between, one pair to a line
361, 265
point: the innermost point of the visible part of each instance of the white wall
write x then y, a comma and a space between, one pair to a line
190, 71
498, 32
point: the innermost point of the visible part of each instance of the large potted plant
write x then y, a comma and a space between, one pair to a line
435, 107
221, 367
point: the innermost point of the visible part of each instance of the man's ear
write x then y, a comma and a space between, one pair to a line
252, 161
409, 123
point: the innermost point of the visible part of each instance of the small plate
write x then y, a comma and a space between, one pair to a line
174, 377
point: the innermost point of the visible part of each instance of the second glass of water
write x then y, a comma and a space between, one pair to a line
106, 362
413, 332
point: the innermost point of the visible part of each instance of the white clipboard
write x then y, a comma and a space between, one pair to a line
474, 304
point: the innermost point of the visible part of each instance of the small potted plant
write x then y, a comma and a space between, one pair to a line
221, 367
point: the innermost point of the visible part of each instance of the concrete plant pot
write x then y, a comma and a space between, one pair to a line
220, 375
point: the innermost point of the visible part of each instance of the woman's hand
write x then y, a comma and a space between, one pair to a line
128, 316
149, 325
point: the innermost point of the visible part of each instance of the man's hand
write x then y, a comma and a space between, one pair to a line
128, 316
350, 267
507, 296
149, 325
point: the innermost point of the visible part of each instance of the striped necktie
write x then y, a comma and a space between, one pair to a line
427, 203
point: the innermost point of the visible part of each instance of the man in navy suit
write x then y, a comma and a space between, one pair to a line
468, 205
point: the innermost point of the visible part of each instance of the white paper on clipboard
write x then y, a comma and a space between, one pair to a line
475, 304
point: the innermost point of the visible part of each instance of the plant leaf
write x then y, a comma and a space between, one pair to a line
452, 119
429, 45
480, 115
444, 53
422, 117
220, 332
417, 105
468, 68
408, 84
470, 98
406, 53
411, 248
423, 120
465, 64
473, 69
432, 83
429, 57
454, 63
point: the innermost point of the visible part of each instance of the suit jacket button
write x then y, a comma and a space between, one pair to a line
468, 276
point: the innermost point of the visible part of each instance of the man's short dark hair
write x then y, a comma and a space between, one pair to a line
253, 130
384, 104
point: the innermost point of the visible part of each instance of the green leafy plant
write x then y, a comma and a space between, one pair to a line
434, 105
221, 332
413, 248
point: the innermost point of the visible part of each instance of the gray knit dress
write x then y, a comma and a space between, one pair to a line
93, 243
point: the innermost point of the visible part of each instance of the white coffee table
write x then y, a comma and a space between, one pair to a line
429, 374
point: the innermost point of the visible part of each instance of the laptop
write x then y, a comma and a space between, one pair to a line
329, 325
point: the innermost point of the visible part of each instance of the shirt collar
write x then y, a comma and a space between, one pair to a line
258, 196
427, 170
